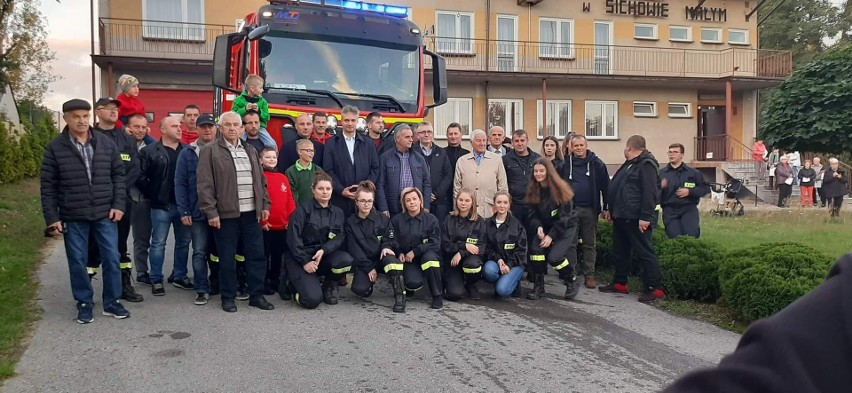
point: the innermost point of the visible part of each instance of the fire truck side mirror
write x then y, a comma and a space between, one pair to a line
439, 79
258, 32
222, 66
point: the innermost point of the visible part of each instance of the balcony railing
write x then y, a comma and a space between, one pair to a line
160, 39
585, 59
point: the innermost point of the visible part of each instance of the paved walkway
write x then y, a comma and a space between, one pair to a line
599, 343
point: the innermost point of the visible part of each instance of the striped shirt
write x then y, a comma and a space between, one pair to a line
242, 163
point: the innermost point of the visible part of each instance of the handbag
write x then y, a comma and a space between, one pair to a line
789, 181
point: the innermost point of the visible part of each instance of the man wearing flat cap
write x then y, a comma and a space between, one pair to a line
83, 190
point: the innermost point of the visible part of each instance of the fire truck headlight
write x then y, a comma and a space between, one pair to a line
362, 124
332, 121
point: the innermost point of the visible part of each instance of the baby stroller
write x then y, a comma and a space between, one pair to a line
726, 198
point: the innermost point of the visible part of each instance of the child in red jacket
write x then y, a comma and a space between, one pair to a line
275, 234
129, 98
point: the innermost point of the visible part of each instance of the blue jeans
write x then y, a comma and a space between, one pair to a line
505, 283
160, 221
200, 231
77, 249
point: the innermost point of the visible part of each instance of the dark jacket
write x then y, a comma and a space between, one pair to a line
833, 187
290, 154
507, 242
441, 173
457, 232
217, 182
803, 348
597, 173
420, 234
810, 173
313, 227
129, 153
634, 191
364, 238
153, 180
66, 193
388, 185
387, 144
683, 176
453, 154
555, 219
518, 175
343, 171
186, 183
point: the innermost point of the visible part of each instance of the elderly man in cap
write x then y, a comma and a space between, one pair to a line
83, 190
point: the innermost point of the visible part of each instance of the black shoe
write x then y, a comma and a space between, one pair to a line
398, 293
144, 279
157, 289
261, 303
329, 292
473, 292
437, 302
182, 283
228, 305
171, 278
538, 287
284, 291
127, 291
572, 288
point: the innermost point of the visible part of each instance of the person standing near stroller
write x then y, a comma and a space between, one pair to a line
784, 179
682, 189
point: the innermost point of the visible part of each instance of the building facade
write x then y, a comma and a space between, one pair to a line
685, 71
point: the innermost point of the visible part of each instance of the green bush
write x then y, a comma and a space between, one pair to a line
603, 244
690, 268
22, 158
764, 279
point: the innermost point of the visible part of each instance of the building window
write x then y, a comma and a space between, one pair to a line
556, 36
456, 110
711, 35
644, 109
558, 118
645, 31
455, 32
508, 114
680, 109
680, 33
173, 20
601, 119
738, 37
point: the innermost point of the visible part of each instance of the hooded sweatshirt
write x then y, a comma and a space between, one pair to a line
281, 196
589, 178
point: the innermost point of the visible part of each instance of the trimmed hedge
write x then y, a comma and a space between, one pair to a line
690, 268
22, 158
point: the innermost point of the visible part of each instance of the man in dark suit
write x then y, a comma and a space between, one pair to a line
441, 172
349, 158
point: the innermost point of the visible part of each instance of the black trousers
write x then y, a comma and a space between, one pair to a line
557, 255
425, 270
629, 242
308, 290
835, 203
123, 234
245, 229
456, 278
682, 221
274, 244
823, 201
784, 192
389, 265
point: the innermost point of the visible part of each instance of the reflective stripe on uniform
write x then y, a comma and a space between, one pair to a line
126, 265
658, 208
394, 266
537, 257
92, 270
475, 270
429, 264
341, 270
562, 265
240, 258
214, 258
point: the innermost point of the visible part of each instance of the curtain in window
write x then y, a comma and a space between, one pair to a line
446, 30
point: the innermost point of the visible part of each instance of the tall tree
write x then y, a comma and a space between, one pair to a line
800, 26
24, 54
845, 21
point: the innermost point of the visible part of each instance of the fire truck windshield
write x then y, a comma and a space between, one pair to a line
356, 74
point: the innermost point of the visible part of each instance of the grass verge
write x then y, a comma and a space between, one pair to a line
21, 240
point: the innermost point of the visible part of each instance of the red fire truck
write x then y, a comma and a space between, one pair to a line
317, 56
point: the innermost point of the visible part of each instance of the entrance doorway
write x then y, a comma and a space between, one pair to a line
712, 139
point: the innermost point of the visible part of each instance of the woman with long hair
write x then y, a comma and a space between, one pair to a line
550, 150
316, 240
552, 228
414, 236
463, 243
506, 248
365, 230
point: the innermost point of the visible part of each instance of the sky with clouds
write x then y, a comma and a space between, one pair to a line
68, 36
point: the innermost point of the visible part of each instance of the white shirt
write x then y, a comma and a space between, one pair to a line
350, 145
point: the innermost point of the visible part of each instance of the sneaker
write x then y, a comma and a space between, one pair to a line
652, 295
183, 283
84, 313
116, 310
228, 305
201, 299
242, 295
144, 279
171, 278
614, 288
157, 289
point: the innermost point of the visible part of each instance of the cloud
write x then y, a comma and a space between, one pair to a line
73, 65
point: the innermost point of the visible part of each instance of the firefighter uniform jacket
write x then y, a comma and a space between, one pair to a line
420, 234
683, 176
556, 220
364, 238
313, 227
507, 242
459, 231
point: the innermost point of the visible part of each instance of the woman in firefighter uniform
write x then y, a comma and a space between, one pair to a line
506, 244
463, 243
414, 236
553, 226
316, 238
364, 233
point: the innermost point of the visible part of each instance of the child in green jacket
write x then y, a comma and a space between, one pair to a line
251, 100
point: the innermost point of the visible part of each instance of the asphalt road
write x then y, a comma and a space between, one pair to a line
597, 343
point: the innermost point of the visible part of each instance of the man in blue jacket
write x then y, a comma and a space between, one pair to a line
349, 158
682, 189
400, 168
82, 190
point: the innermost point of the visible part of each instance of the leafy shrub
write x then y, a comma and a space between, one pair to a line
603, 244
21, 158
690, 268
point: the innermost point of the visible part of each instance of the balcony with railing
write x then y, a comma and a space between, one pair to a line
159, 39
463, 54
